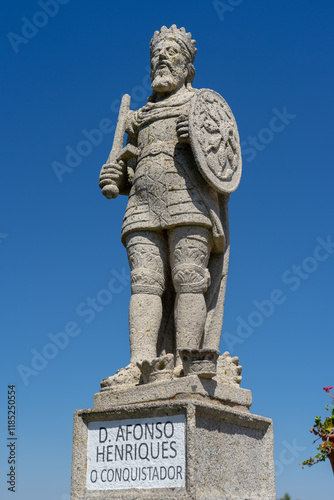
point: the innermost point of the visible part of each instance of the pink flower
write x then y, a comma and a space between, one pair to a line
327, 389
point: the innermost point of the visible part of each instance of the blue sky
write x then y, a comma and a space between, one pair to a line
60, 239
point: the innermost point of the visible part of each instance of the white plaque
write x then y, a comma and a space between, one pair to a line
136, 453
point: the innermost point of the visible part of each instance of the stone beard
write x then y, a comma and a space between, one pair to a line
175, 227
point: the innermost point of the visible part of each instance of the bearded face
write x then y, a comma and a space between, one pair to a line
169, 64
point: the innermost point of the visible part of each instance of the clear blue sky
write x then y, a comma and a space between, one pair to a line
60, 241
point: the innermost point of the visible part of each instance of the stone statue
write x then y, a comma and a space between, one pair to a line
181, 161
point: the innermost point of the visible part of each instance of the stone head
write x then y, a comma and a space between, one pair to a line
172, 55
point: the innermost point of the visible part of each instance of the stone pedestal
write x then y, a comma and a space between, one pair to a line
186, 439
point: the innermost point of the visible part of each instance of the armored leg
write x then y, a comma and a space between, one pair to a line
189, 256
147, 254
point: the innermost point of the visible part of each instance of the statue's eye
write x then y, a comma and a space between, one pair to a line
171, 51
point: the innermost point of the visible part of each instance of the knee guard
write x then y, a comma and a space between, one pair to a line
190, 278
146, 254
147, 281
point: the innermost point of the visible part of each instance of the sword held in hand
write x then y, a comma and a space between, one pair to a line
110, 186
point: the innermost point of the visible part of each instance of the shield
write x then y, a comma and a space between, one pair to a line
214, 140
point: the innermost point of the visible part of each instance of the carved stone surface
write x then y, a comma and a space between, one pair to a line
228, 453
228, 370
202, 389
215, 141
157, 369
174, 423
201, 362
181, 161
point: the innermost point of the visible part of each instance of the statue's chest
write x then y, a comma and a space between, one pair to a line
163, 130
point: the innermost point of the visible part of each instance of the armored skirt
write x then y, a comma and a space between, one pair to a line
163, 195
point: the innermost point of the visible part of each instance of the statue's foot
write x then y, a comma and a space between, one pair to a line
201, 362
128, 376
157, 369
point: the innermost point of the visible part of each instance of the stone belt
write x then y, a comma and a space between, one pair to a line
157, 147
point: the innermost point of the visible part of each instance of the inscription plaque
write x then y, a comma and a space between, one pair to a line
136, 453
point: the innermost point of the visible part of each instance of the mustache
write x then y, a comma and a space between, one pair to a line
162, 63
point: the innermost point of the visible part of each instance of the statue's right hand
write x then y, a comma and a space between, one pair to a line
110, 175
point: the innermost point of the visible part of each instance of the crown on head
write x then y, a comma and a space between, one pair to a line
179, 35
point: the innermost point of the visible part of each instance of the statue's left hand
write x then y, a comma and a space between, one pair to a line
182, 129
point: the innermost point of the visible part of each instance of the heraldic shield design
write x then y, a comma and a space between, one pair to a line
215, 140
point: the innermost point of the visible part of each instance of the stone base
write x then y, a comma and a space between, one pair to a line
228, 451
177, 388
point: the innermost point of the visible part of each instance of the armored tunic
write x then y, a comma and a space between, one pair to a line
167, 189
